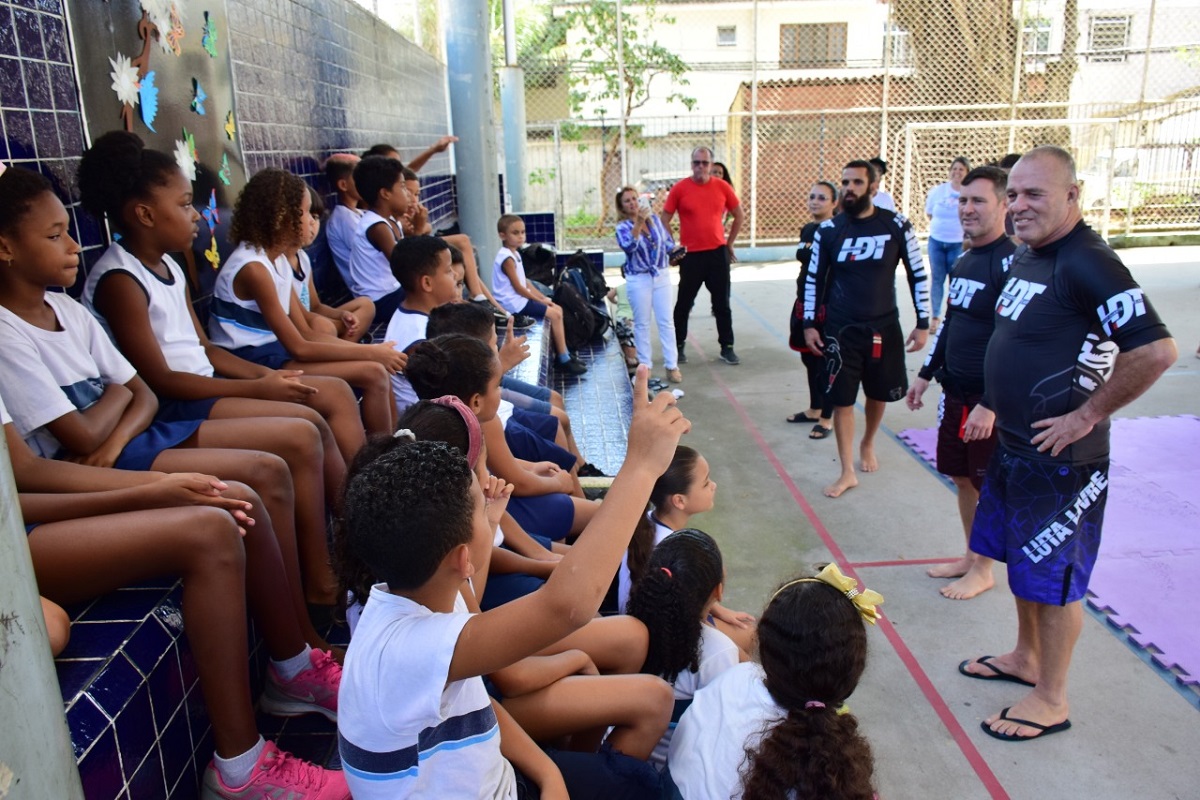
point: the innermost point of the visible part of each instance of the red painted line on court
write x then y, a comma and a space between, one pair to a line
902, 562
990, 782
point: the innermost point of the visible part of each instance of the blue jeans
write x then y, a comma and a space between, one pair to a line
942, 256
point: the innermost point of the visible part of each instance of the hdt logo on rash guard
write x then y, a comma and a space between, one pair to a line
962, 290
863, 248
1016, 295
1120, 308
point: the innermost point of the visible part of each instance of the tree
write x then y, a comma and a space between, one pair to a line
595, 83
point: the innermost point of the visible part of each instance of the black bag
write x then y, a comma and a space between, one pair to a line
538, 260
579, 317
593, 279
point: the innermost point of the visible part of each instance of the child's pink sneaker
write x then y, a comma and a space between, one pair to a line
278, 775
312, 691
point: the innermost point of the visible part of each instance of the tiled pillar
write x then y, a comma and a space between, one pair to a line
35, 748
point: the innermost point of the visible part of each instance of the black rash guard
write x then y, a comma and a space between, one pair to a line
1066, 310
958, 348
853, 270
804, 255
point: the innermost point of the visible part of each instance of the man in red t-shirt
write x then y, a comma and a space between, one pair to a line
702, 203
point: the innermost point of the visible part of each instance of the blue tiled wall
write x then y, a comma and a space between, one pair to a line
314, 77
539, 227
39, 104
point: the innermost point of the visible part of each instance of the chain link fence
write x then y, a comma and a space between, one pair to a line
911, 80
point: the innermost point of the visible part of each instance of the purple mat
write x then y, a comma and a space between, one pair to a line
1150, 556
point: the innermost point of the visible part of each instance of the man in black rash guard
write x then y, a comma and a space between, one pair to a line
853, 274
956, 360
1075, 340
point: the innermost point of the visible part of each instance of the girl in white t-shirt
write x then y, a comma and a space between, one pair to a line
683, 580
684, 490
780, 728
253, 302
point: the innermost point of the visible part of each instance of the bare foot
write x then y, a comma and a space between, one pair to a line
1032, 708
976, 581
954, 570
869, 462
846, 481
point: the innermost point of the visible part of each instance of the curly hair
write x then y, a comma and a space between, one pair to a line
117, 168
683, 572
813, 649
18, 189
267, 213
452, 364
404, 511
676, 480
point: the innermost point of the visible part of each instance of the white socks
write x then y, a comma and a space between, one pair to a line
236, 771
291, 667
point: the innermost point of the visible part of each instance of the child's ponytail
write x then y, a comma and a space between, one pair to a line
453, 364
813, 648
680, 577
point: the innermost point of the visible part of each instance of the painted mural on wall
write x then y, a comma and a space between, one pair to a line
161, 68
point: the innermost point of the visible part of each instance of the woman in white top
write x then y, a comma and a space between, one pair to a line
945, 232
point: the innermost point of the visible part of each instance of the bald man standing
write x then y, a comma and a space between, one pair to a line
1075, 340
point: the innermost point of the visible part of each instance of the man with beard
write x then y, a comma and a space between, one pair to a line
853, 275
956, 360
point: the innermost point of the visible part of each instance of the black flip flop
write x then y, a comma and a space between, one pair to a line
1043, 730
819, 431
1000, 675
801, 416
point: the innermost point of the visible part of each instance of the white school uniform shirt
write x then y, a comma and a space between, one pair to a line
404, 731
166, 305
300, 284
726, 717
4, 417
624, 582
405, 328
234, 322
883, 199
717, 654
340, 227
47, 374
370, 271
502, 287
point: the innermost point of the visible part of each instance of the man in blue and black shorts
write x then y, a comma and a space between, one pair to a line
1075, 340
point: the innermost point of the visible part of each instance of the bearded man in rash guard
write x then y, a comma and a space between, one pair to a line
1075, 340
852, 274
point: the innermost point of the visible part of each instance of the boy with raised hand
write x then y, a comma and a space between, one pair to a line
422, 266
414, 717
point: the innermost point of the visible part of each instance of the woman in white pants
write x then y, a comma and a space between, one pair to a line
647, 245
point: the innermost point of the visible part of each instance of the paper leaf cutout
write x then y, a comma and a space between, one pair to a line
230, 128
148, 100
213, 254
210, 213
198, 97
125, 80
189, 138
209, 39
183, 157
224, 173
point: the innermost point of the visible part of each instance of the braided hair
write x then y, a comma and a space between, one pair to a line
683, 572
117, 168
813, 649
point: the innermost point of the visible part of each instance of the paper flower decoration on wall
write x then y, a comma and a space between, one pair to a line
183, 157
209, 39
210, 213
159, 12
224, 173
198, 97
212, 254
175, 35
124, 76
148, 100
230, 128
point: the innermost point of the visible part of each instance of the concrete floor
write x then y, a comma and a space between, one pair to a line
1134, 733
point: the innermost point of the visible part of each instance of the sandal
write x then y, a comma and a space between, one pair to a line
819, 431
801, 416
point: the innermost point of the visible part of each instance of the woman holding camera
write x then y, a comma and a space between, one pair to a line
647, 245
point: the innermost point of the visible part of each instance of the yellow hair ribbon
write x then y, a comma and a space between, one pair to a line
865, 600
